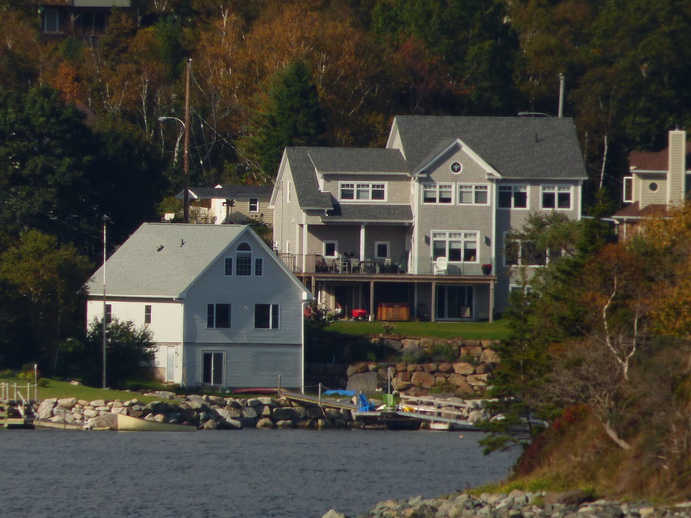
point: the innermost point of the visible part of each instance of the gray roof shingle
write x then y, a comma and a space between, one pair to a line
516, 147
358, 160
163, 259
370, 213
230, 191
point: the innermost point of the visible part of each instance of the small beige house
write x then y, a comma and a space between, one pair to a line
235, 204
656, 181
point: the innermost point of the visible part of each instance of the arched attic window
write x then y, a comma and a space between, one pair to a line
243, 260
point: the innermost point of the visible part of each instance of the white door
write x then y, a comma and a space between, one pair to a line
170, 364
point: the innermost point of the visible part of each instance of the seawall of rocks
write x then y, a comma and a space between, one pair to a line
518, 504
465, 376
206, 412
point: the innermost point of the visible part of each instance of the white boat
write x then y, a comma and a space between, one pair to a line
128, 423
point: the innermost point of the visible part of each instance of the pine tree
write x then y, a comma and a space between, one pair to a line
292, 117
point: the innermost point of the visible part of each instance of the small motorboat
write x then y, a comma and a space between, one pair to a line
127, 423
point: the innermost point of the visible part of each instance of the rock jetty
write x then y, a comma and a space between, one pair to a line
210, 412
206, 412
518, 504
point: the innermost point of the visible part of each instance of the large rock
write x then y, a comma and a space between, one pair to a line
281, 414
109, 421
68, 402
463, 368
365, 382
249, 413
423, 380
45, 409
265, 422
489, 356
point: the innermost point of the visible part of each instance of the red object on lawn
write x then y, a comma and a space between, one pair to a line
359, 313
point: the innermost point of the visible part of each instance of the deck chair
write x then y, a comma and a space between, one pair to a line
441, 266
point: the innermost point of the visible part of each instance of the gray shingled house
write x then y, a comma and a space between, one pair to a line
223, 309
412, 230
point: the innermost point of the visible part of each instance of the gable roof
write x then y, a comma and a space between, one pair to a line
368, 213
515, 147
165, 259
305, 180
654, 160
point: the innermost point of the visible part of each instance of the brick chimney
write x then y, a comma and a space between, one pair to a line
677, 167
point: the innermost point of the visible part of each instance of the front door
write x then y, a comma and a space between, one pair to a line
170, 364
213, 368
454, 302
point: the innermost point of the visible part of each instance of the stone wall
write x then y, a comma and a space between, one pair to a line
464, 371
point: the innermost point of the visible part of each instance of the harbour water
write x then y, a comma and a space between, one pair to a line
235, 474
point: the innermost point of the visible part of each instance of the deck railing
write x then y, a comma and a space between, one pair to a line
315, 263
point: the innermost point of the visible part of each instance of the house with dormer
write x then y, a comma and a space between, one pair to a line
656, 182
418, 229
223, 310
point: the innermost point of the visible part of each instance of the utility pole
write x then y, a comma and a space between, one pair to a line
186, 167
105, 306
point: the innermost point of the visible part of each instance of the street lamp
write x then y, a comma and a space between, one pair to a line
186, 170
186, 156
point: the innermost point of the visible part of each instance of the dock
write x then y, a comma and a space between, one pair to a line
411, 413
16, 407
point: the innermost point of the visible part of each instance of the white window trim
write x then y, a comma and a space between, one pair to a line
627, 188
436, 187
462, 240
335, 243
475, 189
520, 255
513, 187
554, 188
289, 191
368, 185
272, 308
249, 205
388, 249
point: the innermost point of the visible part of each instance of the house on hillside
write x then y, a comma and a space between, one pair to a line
223, 309
232, 203
657, 181
77, 18
412, 230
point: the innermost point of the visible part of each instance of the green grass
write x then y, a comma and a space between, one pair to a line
471, 330
63, 389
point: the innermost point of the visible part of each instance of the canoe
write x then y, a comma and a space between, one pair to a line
128, 423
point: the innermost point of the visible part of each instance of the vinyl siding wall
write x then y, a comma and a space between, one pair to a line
166, 317
397, 186
642, 184
287, 216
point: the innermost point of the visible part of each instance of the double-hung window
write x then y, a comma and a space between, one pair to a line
524, 253
228, 266
266, 316
147, 313
469, 194
254, 205
513, 196
455, 246
243, 260
218, 316
556, 197
441, 193
356, 191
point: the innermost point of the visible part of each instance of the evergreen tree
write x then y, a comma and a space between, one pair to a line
292, 117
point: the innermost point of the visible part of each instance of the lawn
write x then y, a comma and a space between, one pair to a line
471, 330
63, 389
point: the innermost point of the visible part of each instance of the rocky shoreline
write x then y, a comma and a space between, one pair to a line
207, 412
518, 504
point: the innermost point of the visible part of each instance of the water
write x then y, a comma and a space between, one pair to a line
243, 474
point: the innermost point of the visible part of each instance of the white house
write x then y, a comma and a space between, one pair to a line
223, 309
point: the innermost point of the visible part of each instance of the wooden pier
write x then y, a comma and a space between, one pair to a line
16, 410
411, 413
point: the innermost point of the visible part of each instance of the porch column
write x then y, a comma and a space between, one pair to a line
372, 309
304, 247
362, 242
433, 311
491, 301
